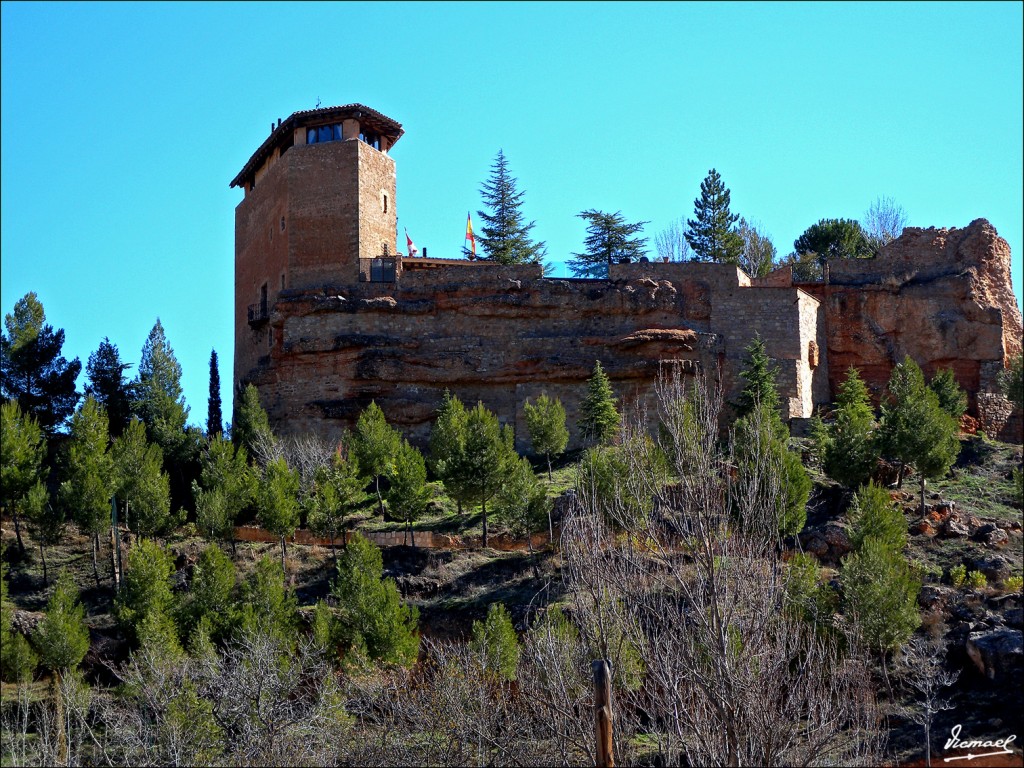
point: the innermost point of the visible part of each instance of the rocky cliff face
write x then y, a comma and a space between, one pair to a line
942, 296
503, 335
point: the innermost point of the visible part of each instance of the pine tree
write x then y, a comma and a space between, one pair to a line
851, 453
609, 240
161, 404
504, 236
32, 369
448, 448
760, 375
488, 457
250, 426
22, 450
712, 233
873, 514
337, 488
407, 494
214, 416
952, 399
46, 521
210, 594
834, 239
599, 418
265, 607
141, 483
277, 502
760, 441
494, 641
109, 387
146, 588
62, 638
880, 595
522, 503
545, 422
89, 474
17, 659
915, 430
375, 445
227, 486
371, 614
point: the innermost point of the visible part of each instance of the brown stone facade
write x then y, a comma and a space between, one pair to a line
336, 336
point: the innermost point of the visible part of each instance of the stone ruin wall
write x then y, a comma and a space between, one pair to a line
942, 296
505, 334
502, 335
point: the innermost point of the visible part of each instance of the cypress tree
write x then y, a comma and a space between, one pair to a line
250, 427
712, 233
504, 236
599, 420
214, 416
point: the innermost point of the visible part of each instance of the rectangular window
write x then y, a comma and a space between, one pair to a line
382, 271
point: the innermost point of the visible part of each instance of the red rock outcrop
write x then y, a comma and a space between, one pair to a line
942, 296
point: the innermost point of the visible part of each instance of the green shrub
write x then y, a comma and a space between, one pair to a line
1013, 584
62, 638
146, 587
494, 639
976, 580
958, 575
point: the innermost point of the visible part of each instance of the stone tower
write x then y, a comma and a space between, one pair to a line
318, 211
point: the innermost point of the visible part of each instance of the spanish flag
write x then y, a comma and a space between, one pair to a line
469, 236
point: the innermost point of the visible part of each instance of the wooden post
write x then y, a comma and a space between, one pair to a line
603, 711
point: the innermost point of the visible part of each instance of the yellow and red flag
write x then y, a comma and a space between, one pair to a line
469, 236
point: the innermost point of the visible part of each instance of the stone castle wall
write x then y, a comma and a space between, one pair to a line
504, 334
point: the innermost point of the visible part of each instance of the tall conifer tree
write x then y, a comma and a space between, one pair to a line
609, 240
214, 416
505, 236
32, 369
109, 387
712, 234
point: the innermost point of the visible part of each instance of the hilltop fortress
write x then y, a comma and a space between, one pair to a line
329, 315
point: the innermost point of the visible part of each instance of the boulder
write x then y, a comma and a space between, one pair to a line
933, 595
997, 653
828, 542
995, 567
955, 527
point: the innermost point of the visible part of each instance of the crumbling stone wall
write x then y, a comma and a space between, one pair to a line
942, 296
504, 334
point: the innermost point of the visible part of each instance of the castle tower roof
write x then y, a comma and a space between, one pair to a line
369, 120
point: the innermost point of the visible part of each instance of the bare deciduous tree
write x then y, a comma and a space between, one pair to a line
671, 242
923, 670
884, 221
689, 604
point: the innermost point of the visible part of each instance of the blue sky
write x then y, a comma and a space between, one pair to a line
123, 124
